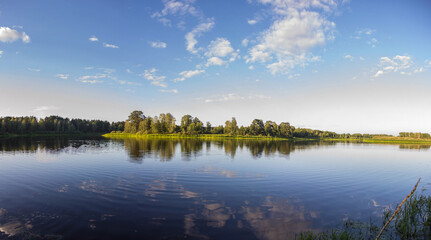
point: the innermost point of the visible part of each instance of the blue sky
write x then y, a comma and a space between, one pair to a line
347, 66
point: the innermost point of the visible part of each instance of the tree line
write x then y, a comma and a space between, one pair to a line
165, 123
418, 135
56, 124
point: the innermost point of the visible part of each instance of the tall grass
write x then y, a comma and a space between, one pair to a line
412, 222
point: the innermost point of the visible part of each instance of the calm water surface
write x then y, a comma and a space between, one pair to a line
56, 188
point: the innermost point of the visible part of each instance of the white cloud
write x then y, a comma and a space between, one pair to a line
365, 31
92, 79
1, 53
122, 82
25, 38
63, 76
151, 75
174, 7
107, 45
196, 32
191, 73
252, 21
245, 42
215, 61
398, 64
282, 6
33, 69
158, 44
361, 58
367, 34
169, 90
372, 42
219, 48
235, 97
289, 40
350, 57
251, 67
12, 35
93, 39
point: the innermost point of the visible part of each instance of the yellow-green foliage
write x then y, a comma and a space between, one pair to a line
198, 136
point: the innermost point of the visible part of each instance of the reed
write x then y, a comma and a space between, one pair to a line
410, 221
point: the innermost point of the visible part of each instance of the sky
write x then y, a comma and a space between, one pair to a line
345, 66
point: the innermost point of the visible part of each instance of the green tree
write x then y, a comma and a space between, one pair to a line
257, 127
271, 128
186, 120
133, 121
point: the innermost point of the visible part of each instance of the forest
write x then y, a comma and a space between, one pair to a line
56, 124
165, 123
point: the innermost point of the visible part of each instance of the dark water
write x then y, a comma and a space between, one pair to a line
56, 188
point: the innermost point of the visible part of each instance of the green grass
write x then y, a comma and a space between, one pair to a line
387, 140
413, 222
187, 136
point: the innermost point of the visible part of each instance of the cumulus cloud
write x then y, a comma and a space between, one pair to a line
62, 76
398, 64
151, 75
1, 53
215, 61
12, 35
158, 44
190, 37
174, 7
219, 49
107, 45
291, 37
235, 97
188, 74
93, 39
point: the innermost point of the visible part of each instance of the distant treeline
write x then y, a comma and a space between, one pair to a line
165, 124
56, 124
415, 135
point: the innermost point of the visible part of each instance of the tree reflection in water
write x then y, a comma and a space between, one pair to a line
164, 149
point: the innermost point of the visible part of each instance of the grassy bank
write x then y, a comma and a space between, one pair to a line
411, 223
388, 140
187, 136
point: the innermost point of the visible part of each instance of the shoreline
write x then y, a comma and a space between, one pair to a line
387, 140
4, 136
376, 140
